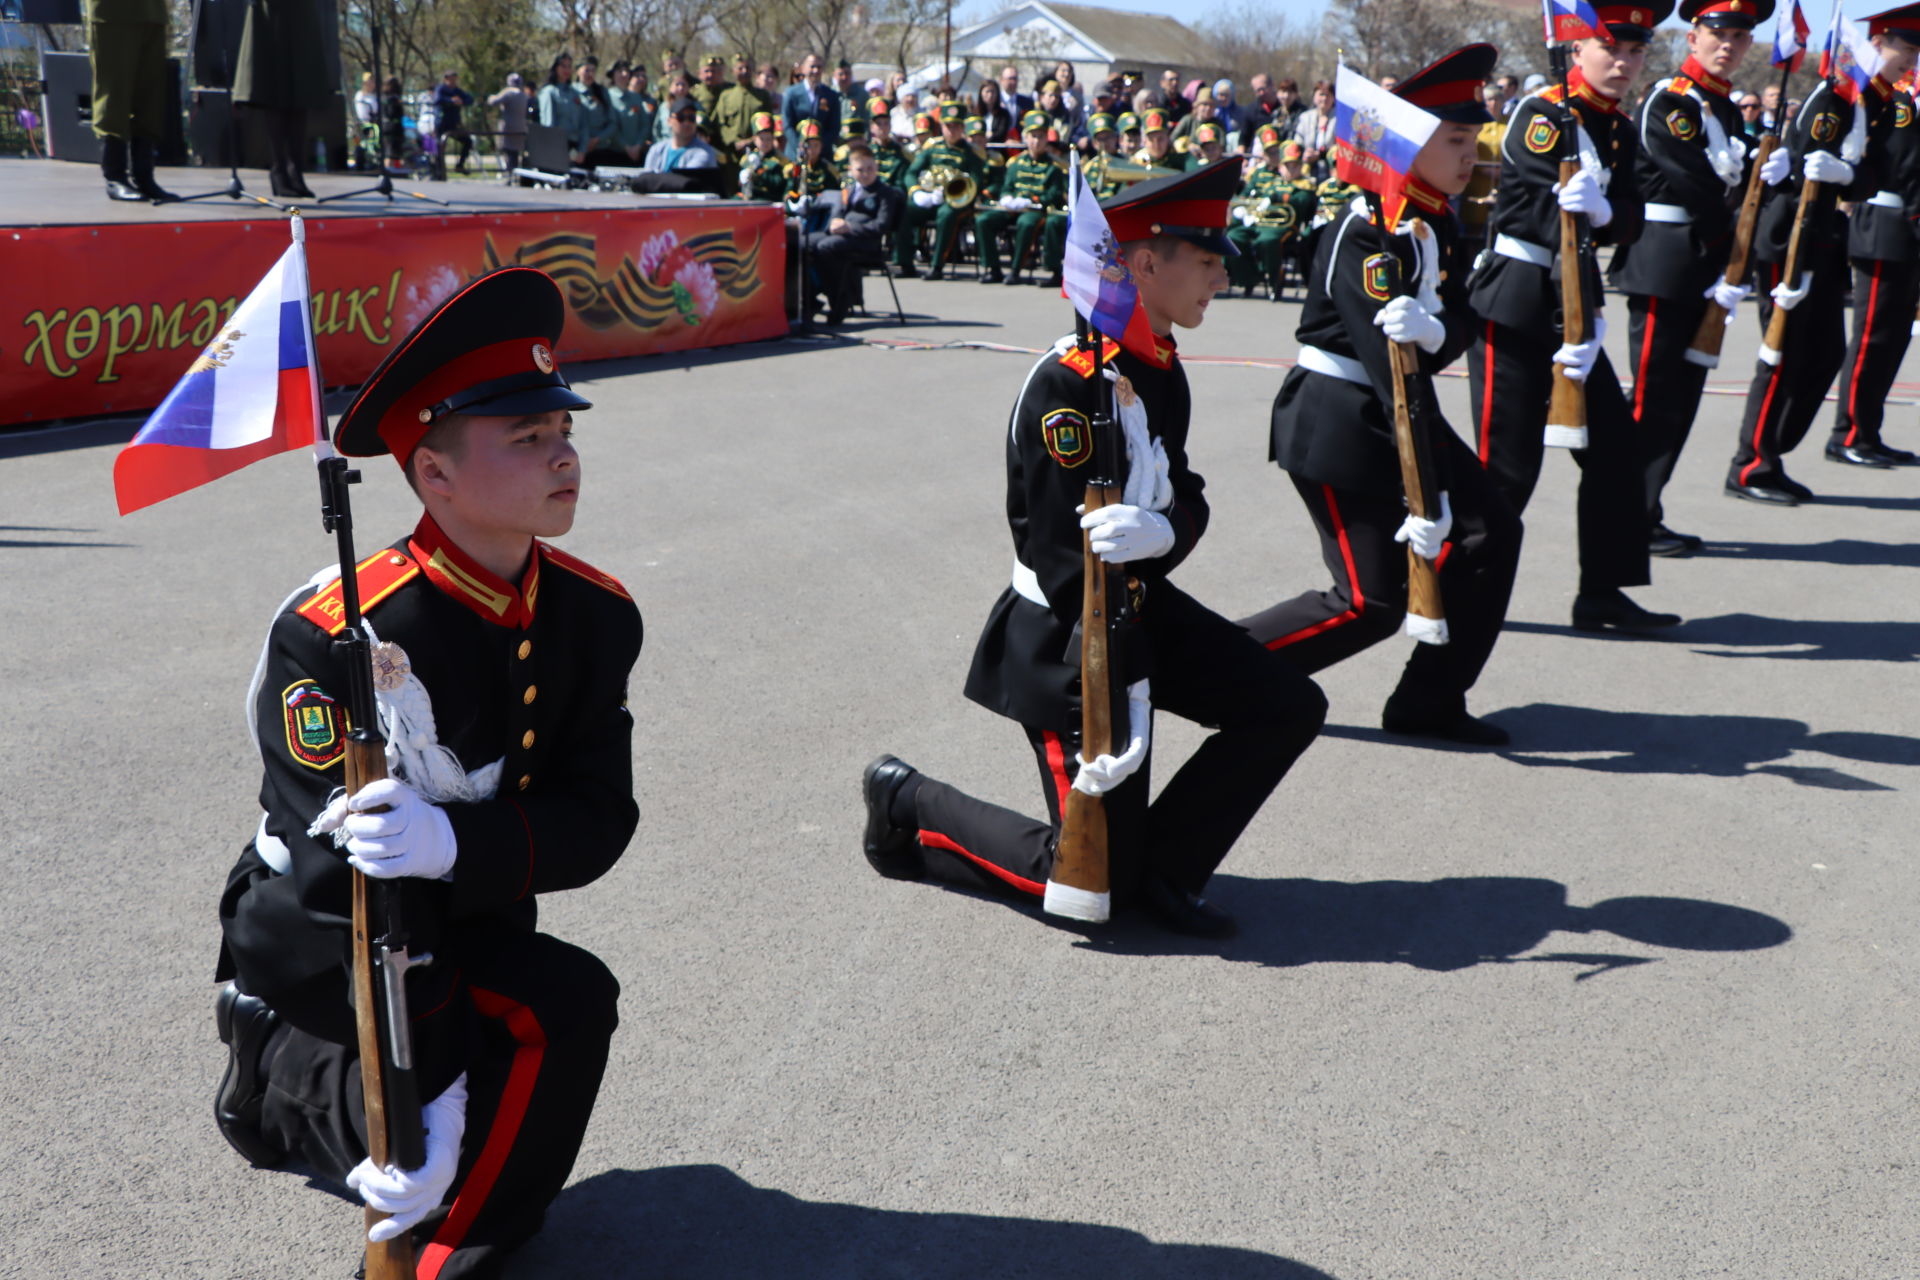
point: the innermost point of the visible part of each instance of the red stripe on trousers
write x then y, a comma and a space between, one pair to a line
1853, 384
1353, 581
1057, 769
1646, 355
1486, 401
938, 841
525, 1028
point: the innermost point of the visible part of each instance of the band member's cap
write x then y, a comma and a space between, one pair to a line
877, 107
1208, 132
952, 111
1127, 122
763, 122
1634, 20
1740, 15
715, 61
1191, 206
976, 127
1155, 121
1291, 150
1902, 23
1098, 123
1268, 137
1035, 120
809, 129
1450, 88
486, 350
923, 123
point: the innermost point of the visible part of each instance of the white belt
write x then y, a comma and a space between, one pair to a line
272, 849
1668, 213
1314, 360
1026, 584
1523, 250
1887, 200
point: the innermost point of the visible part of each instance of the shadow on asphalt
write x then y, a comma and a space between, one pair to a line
1750, 635
50, 542
1838, 551
705, 1222
1456, 923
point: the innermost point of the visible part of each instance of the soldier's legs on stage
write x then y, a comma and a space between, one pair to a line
531, 1030
1884, 294
1368, 600
1666, 385
1785, 396
1263, 711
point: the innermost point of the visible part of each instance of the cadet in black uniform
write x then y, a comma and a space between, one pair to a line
502, 664
1692, 175
1186, 659
1839, 141
1516, 292
1333, 435
1886, 277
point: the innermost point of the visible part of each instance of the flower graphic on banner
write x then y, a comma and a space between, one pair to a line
669, 280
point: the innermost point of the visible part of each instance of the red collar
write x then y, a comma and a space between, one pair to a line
1693, 71
1418, 196
1588, 94
473, 585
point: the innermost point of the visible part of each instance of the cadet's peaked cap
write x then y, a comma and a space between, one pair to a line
1035, 120
1450, 88
1903, 23
486, 350
1634, 19
1742, 15
1099, 122
1191, 206
952, 112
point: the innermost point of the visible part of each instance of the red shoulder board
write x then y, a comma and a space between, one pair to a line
1080, 360
1552, 93
380, 575
581, 569
1679, 84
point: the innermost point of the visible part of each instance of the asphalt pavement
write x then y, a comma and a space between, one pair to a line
1634, 997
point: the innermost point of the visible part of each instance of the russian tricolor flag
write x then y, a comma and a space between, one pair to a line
1569, 20
1790, 32
253, 393
1376, 136
1095, 279
1849, 54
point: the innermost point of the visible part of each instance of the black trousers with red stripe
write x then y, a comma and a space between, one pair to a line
1263, 712
1511, 375
1368, 599
1785, 397
1884, 294
530, 1025
1666, 385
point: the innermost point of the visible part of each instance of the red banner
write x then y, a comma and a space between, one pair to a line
105, 319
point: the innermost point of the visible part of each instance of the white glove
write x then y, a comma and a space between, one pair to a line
1014, 204
1426, 537
1246, 216
1121, 533
1775, 168
1824, 166
411, 1194
799, 204
1406, 320
412, 838
926, 199
1729, 296
1104, 773
1579, 357
1787, 298
1582, 194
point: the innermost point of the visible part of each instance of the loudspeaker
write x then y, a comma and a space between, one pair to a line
70, 133
32, 11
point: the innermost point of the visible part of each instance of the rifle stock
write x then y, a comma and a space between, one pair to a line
1416, 465
1567, 404
1776, 339
1705, 348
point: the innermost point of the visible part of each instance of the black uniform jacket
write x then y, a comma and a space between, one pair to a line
1333, 431
1027, 663
534, 672
1520, 294
1672, 259
1880, 232
1822, 125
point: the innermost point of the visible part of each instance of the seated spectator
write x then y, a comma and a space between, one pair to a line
906, 105
858, 218
1314, 131
683, 148
996, 121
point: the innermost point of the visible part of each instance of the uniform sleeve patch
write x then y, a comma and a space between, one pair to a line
1682, 126
1826, 127
1902, 114
315, 736
1068, 435
1376, 276
1542, 135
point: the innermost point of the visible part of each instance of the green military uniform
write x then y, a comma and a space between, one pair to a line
946, 220
764, 177
892, 159
819, 176
1043, 183
633, 114
1333, 196
733, 114
128, 39
1262, 242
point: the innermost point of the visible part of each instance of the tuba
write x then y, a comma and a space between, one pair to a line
954, 183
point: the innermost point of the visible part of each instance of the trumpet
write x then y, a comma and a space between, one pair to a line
959, 188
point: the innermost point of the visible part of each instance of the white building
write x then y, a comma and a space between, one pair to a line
1098, 42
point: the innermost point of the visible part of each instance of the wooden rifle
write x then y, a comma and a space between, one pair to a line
1567, 404
1416, 456
396, 1135
1705, 348
1080, 886
1810, 191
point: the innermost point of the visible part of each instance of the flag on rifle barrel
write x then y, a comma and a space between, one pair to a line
253, 393
1848, 58
1790, 32
1093, 276
1570, 20
1376, 136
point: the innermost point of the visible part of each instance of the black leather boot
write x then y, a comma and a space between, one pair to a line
141, 152
113, 166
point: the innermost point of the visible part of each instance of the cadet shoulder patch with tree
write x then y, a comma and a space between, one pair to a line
1068, 436
1542, 135
313, 717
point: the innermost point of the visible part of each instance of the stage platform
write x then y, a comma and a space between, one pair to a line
104, 304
